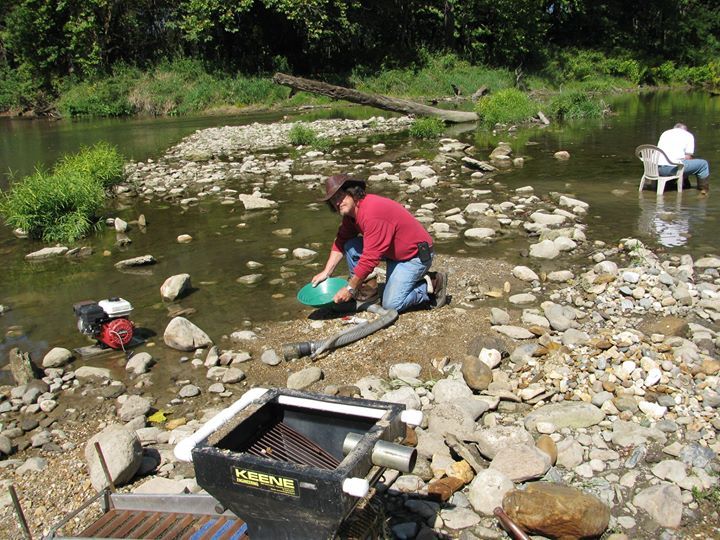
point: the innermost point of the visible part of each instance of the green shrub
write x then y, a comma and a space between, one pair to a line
506, 106
427, 128
63, 205
573, 104
107, 96
16, 88
102, 163
302, 135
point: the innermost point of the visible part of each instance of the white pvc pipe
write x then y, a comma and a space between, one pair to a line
356, 487
183, 450
342, 408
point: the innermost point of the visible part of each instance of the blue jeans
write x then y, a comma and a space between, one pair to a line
698, 167
405, 286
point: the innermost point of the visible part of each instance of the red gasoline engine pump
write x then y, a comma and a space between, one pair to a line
106, 320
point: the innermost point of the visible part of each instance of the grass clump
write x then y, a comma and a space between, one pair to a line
506, 106
427, 128
573, 104
303, 135
63, 205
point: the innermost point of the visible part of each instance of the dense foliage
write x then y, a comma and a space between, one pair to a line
63, 205
47, 46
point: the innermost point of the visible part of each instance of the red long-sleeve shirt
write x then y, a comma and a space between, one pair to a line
388, 230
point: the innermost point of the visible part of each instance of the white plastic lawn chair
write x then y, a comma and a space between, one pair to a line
650, 155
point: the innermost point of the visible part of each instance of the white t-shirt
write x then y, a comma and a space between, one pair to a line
676, 142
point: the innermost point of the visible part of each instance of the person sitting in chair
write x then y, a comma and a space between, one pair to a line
679, 146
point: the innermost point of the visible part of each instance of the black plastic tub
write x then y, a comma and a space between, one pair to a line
279, 464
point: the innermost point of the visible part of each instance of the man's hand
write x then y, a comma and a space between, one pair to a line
343, 295
319, 278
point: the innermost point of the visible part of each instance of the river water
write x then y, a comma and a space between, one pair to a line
602, 170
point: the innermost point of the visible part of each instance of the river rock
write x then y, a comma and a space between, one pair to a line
524, 273
487, 490
250, 279
139, 363
56, 357
270, 357
499, 316
663, 502
304, 254
91, 373
557, 511
571, 414
446, 390
404, 395
184, 239
479, 233
46, 253
122, 453
515, 332
256, 202
183, 335
136, 261
188, 391
562, 155
175, 286
304, 378
520, 463
547, 445
476, 373
21, 366
492, 440
159, 485
133, 407
544, 250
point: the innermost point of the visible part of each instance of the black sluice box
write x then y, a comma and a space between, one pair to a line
278, 464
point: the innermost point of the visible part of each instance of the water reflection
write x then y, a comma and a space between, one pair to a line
670, 219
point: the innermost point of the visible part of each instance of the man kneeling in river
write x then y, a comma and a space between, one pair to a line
375, 228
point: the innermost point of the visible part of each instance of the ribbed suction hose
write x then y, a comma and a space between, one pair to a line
351, 335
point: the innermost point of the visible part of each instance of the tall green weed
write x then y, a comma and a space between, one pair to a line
63, 205
574, 104
506, 106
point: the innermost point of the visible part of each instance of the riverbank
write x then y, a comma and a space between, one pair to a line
624, 388
604, 347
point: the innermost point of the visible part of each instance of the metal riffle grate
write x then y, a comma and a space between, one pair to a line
282, 443
165, 526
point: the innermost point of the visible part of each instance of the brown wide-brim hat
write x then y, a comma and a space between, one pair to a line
336, 182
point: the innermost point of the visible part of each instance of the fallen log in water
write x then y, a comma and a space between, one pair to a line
372, 100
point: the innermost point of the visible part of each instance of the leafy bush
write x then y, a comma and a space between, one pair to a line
102, 163
302, 134
101, 97
506, 106
574, 104
17, 89
427, 128
63, 205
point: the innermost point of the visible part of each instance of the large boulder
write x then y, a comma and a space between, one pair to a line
183, 335
122, 452
557, 511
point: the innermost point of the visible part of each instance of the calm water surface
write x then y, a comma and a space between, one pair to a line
602, 171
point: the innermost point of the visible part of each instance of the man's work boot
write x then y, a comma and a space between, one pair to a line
367, 291
704, 186
437, 289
